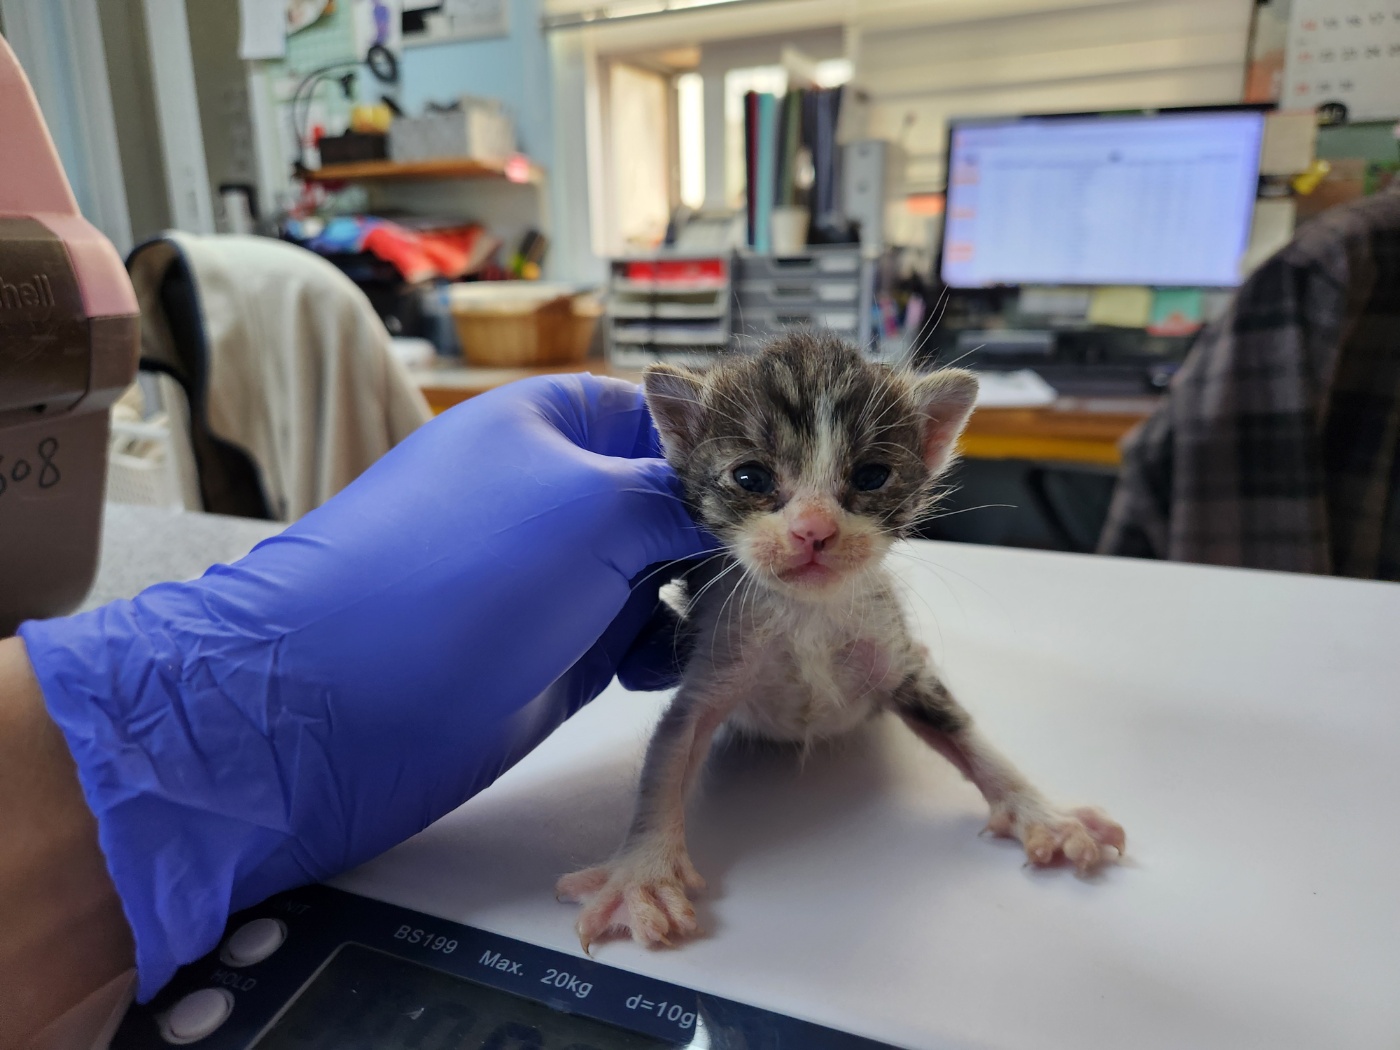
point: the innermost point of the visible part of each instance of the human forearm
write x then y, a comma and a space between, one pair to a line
62, 931
287, 717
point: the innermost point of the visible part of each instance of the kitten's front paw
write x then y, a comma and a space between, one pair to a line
644, 895
1082, 836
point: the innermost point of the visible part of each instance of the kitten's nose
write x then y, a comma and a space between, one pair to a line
813, 528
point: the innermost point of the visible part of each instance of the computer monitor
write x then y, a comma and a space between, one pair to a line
1160, 198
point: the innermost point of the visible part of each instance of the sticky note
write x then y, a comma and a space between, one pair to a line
263, 32
1290, 137
1123, 306
1175, 311
1043, 301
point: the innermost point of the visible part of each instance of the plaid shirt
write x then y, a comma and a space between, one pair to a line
1278, 446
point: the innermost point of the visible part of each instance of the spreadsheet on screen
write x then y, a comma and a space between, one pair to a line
1156, 199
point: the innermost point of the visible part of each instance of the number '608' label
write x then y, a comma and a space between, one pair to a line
39, 468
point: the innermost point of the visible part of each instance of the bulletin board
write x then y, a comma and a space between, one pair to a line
329, 40
1347, 52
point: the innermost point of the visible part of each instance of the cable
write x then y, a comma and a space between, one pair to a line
299, 126
381, 62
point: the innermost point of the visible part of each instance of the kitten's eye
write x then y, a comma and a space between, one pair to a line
754, 477
870, 477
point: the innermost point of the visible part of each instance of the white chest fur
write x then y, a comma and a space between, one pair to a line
809, 670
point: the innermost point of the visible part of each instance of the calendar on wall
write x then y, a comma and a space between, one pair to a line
1344, 52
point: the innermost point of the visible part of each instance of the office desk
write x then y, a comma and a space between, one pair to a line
1073, 430
1242, 725
448, 385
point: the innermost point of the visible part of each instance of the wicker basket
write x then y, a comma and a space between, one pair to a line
508, 324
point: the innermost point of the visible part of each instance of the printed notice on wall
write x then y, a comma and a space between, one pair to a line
263, 29
1344, 52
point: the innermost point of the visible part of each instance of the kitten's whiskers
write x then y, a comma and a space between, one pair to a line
680, 566
941, 307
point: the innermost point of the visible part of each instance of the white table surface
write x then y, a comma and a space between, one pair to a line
146, 545
1244, 727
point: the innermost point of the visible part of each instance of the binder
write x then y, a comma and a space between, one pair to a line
766, 171
750, 158
775, 130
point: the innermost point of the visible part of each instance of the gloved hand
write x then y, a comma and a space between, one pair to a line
351, 680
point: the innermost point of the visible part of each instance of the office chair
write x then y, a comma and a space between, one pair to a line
228, 478
291, 388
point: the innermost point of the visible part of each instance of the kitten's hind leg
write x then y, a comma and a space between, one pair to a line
1018, 810
644, 889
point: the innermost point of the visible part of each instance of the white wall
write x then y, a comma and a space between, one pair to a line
922, 64
133, 102
517, 69
923, 61
574, 64
221, 79
60, 47
920, 61
720, 56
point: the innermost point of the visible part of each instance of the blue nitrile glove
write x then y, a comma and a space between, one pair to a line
287, 717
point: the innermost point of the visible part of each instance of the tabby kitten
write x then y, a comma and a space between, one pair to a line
807, 462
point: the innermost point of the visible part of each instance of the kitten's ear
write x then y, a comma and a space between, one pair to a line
673, 396
945, 398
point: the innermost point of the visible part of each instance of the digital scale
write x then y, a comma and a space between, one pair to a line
322, 969
455, 939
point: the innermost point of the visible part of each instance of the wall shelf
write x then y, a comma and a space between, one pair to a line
517, 170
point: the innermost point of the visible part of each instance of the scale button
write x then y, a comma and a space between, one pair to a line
253, 942
196, 1015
